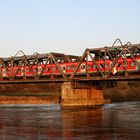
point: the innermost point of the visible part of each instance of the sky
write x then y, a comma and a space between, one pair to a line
66, 26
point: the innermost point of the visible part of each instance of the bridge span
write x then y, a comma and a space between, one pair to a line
109, 63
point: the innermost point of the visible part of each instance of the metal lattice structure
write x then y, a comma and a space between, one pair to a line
108, 56
113, 53
35, 60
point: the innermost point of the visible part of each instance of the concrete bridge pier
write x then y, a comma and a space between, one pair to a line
75, 94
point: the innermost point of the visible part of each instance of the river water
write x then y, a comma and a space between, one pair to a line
117, 121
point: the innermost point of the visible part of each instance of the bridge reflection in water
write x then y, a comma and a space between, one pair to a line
31, 122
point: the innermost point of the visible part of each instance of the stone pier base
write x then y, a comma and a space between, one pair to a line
80, 95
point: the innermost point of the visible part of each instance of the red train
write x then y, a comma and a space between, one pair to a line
69, 68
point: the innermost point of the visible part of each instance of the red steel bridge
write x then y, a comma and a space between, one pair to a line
116, 62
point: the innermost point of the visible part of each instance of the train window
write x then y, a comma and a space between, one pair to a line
107, 65
4, 71
101, 66
53, 69
27, 70
63, 68
83, 66
39, 68
93, 66
132, 64
68, 67
72, 67
22, 70
126, 64
34, 70
88, 67
47, 69
119, 65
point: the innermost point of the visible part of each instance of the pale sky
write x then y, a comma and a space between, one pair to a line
66, 26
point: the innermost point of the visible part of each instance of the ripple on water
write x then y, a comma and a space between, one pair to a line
120, 121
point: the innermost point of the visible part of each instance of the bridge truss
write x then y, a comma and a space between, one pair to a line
115, 54
8, 64
100, 57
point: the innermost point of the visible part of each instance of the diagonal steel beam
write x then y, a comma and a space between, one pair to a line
83, 57
58, 66
114, 63
93, 59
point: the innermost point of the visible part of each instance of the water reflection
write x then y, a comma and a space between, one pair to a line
82, 123
46, 122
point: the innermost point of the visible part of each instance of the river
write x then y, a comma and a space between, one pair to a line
116, 121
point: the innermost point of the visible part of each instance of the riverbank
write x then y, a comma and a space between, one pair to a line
40, 93
29, 99
123, 91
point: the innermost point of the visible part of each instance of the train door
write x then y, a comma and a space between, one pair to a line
22, 71
63, 68
82, 68
4, 72
39, 69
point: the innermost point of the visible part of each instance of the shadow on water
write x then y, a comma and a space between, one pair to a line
118, 121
